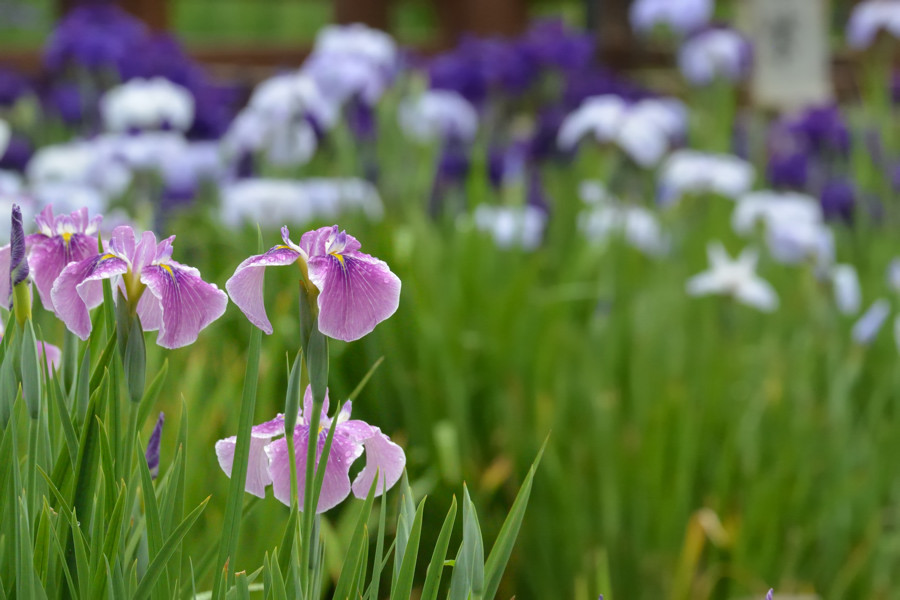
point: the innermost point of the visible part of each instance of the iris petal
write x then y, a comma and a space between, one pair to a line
246, 285
78, 289
357, 291
187, 304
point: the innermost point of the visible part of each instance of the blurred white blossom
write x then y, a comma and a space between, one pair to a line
147, 104
736, 278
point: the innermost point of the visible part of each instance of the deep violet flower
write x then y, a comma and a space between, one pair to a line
59, 241
838, 199
167, 296
356, 291
152, 453
269, 461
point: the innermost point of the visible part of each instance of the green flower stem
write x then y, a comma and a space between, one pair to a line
22, 304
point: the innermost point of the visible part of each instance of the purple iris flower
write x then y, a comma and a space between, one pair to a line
356, 291
269, 461
95, 37
59, 241
12, 87
550, 43
789, 170
18, 153
821, 128
838, 198
168, 296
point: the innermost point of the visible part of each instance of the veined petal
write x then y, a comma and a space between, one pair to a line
246, 285
78, 289
50, 255
382, 456
336, 484
258, 477
187, 303
357, 291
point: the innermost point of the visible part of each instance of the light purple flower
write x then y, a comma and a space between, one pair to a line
866, 329
269, 460
713, 54
179, 303
356, 291
870, 17
682, 16
59, 241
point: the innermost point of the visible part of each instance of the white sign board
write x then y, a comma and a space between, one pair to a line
792, 59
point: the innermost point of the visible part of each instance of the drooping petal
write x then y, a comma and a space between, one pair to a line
867, 327
703, 284
50, 255
336, 484
187, 303
758, 293
357, 291
78, 289
258, 477
245, 287
383, 457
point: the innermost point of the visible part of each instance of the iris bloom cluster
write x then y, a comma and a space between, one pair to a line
67, 269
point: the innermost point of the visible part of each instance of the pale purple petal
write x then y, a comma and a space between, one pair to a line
122, 241
258, 477
306, 413
50, 255
382, 456
316, 242
79, 289
246, 285
52, 354
187, 302
357, 291
145, 251
336, 484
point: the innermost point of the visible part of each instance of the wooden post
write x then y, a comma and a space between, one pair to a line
480, 17
617, 43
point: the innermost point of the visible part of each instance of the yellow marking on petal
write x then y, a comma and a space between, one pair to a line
340, 257
107, 256
169, 270
281, 247
66, 237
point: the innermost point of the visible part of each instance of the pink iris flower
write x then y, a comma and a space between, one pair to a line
59, 241
356, 291
168, 296
269, 461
